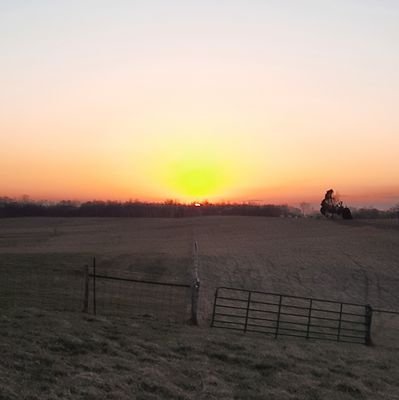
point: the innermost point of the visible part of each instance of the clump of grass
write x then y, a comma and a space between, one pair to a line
69, 344
350, 388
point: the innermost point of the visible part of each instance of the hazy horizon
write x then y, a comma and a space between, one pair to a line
274, 101
312, 205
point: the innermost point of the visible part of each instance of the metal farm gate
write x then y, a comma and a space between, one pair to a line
275, 314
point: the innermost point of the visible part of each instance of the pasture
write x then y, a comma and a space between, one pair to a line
59, 354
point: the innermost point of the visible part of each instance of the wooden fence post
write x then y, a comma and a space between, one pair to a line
195, 287
86, 290
369, 315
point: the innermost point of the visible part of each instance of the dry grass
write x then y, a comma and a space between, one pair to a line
42, 261
96, 235
354, 261
49, 355
65, 355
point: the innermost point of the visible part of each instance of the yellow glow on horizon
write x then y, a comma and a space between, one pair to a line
192, 172
197, 181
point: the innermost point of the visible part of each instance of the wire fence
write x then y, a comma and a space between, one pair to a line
120, 294
63, 283
50, 286
385, 328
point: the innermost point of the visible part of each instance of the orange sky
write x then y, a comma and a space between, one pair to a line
237, 101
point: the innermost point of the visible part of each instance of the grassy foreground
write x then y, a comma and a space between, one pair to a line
52, 355
63, 355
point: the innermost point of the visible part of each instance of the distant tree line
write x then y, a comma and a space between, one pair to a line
169, 209
374, 213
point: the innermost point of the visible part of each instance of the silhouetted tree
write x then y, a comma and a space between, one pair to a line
331, 206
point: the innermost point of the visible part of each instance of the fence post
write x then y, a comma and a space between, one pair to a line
195, 287
247, 314
340, 322
309, 318
369, 315
86, 290
94, 287
278, 316
214, 307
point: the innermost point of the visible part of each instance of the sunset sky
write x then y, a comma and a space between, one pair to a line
275, 101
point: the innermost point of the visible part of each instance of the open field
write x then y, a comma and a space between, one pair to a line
110, 357
48, 255
352, 261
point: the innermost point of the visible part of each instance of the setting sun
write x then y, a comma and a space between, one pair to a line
197, 181
194, 179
